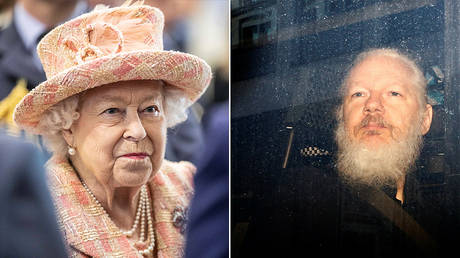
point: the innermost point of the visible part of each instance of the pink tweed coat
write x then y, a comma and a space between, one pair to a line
91, 233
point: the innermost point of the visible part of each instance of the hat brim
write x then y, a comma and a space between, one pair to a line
184, 71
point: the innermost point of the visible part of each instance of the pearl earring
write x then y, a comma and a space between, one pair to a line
71, 151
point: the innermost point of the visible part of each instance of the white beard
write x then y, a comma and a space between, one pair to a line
381, 166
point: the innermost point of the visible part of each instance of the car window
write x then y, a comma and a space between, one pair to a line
288, 60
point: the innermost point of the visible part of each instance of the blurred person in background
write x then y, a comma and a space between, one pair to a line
28, 226
177, 22
110, 94
20, 68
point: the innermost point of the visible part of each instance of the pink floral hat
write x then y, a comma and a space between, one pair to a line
105, 46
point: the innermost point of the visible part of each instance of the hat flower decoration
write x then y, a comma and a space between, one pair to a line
105, 46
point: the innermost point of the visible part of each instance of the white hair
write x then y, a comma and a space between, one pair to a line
62, 115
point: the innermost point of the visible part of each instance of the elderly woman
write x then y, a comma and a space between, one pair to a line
110, 94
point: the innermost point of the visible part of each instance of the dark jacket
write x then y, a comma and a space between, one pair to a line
311, 211
16, 62
28, 225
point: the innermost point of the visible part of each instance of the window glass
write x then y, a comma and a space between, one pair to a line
289, 59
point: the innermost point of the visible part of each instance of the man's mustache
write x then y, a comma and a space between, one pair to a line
378, 120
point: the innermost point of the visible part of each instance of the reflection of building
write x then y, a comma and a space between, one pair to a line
237, 4
256, 23
284, 88
315, 10
254, 19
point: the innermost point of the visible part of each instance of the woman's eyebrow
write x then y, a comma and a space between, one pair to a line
124, 99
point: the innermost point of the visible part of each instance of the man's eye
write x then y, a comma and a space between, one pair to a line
111, 111
153, 110
394, 93
357, 94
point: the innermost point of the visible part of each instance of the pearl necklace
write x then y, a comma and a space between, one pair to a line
143, 215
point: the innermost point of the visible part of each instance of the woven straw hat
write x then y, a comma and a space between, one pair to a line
105, 46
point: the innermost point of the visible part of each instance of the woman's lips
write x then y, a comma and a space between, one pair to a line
140, 155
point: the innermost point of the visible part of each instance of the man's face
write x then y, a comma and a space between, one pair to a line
381, 122
380, 104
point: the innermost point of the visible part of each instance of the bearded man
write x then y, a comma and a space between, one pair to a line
371, 204
382, 119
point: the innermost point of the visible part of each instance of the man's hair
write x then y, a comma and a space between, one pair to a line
419, 81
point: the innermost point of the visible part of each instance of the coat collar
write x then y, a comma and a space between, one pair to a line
90, 231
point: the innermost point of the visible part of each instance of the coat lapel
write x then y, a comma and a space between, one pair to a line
90, 231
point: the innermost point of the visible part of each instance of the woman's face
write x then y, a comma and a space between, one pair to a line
120, 136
